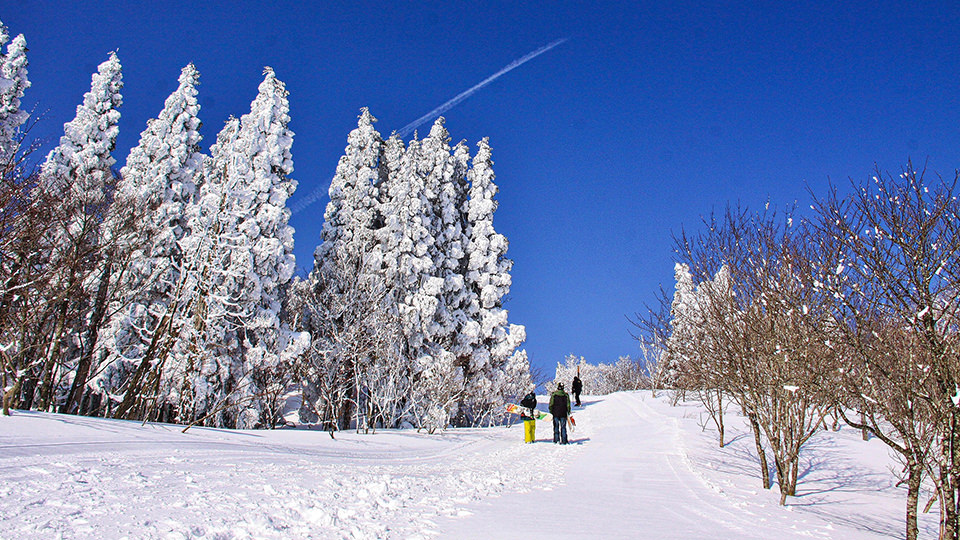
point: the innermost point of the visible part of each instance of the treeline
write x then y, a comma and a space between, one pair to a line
850, 313
625, 374
166, 291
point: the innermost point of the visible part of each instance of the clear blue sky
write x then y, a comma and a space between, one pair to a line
648, 118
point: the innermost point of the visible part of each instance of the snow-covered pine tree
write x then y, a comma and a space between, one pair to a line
351, 217
78, 171
408, 250
238, 257
349, 274
13, 84
79, 167
263, 164
683, 312
488, 278
458, 296
438, 376
387, 379
200, 376
155, 186
407, 264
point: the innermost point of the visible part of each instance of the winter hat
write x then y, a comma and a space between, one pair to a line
559, 386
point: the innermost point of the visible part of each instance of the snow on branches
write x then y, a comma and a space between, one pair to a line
415, 222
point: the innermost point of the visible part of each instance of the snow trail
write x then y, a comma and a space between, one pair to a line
628, 470
631, 478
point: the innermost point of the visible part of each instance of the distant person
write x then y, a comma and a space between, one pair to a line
577, 387
560, 409
529, 403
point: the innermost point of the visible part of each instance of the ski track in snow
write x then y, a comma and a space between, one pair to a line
637, 468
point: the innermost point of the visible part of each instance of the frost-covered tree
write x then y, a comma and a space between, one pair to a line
410, 264
201, 376
347, 277
683, 325
351, 216
395, 242
438, 375
155, 187
13, 84
263, 164
487, 278
602, 378
78, 171
234, 352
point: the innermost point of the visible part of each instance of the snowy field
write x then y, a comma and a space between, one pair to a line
638, 468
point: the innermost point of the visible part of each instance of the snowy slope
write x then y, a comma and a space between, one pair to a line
638, 469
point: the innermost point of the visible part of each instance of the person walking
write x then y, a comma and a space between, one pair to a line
560, 409
576, 387
529, 403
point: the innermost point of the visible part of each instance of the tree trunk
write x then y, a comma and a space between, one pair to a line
135, 386
46, 378
93, 331
948, 479
955, 478
913, 497
794, 472
761, 454
10, 394
782, 478
719, 415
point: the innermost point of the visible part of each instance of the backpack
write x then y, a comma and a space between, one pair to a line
558, 404
529, 401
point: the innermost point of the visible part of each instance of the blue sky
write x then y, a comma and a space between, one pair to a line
650, 116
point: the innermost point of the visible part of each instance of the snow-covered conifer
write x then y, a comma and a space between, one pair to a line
454, 241
78, 172
13, 84
200, 377
240, 254
683, 313
488, 278
351, 215
264, 164
155, 186
439, 373
436, 167
79, 167
410, 249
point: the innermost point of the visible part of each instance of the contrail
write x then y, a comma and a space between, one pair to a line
464, 95
315, 195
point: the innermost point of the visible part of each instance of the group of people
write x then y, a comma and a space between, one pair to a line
559, 409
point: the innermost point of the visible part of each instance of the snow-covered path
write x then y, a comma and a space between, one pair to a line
632, 477
630, 471
639, 468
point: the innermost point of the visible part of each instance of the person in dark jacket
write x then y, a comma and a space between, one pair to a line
576, 387
529, 403
560, 409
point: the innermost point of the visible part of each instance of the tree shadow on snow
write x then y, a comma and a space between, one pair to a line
825, 469
828, 474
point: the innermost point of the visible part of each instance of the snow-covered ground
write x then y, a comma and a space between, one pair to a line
638, 468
